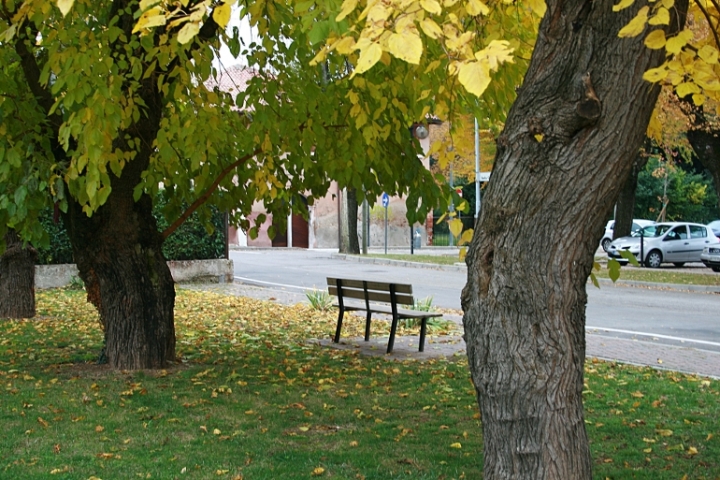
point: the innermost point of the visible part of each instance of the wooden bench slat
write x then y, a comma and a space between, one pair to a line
400, 298
382, 286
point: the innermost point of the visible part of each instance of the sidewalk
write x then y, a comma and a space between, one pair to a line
623, 350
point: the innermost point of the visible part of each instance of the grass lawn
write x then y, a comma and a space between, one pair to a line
252, 400
666, 274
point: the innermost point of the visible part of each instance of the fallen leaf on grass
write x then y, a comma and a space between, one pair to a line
318, 471
456, 445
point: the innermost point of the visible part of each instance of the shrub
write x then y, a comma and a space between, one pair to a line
191, 241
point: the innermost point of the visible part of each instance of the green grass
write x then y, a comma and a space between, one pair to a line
252, 399
666, 274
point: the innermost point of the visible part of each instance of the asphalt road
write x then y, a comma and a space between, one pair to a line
664, 315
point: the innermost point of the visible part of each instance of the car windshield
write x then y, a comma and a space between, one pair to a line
652, 231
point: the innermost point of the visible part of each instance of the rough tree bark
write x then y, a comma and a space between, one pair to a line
568, 145
17, 278
348, 222
625, 206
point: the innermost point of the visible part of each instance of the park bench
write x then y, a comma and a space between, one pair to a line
377, 297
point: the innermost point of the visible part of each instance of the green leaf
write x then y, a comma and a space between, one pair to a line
594, 280
629, 257
613, 269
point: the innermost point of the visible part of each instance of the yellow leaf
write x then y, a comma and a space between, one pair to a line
318, 471
216, 431
65, 6
538, 6
188, 32
708, 53
637, 394
692, 451
221, 14
622, 5
647, 450
654, 129
497, 52
661, 17
345, 45
463, 253
476, 7
474, 76
431, 6
539, 137
676, 43
699, 99
655, 75
347, 7
369, 56
145, 4
354, 443
655, 39
431, 28
455, 226
686, 88
456, 445
151, 18
664, 432
636, 25
467, 236
406, 46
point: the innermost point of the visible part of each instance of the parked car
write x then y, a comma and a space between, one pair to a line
715, 227
609, 228
674, 242
711, 257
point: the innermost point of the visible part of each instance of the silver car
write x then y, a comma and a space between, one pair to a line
711, 257
674, 242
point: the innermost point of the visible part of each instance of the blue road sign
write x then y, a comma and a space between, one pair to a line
385, 200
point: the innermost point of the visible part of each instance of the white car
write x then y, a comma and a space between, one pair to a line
608, 235
674, 242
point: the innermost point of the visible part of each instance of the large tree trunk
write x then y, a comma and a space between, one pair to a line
625, 206
17, 278
348, 222
706, 143
568, 145
119, 256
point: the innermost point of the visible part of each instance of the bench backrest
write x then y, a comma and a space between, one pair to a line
371, 291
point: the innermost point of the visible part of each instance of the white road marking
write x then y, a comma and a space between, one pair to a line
253, 281
645, 334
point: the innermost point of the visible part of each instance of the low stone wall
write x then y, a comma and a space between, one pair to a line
186, 271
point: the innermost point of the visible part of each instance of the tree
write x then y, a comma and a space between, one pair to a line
568, 145
17, 278
625, 206
103, 107
348, 222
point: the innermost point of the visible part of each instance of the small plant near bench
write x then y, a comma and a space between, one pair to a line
319, 300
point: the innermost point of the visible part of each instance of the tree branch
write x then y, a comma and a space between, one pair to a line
203, 198
707, 17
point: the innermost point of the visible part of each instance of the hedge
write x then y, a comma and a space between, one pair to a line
190, 241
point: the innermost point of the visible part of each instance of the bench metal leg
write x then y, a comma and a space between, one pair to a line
339, 326
367, 326
393, 329
423, 329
